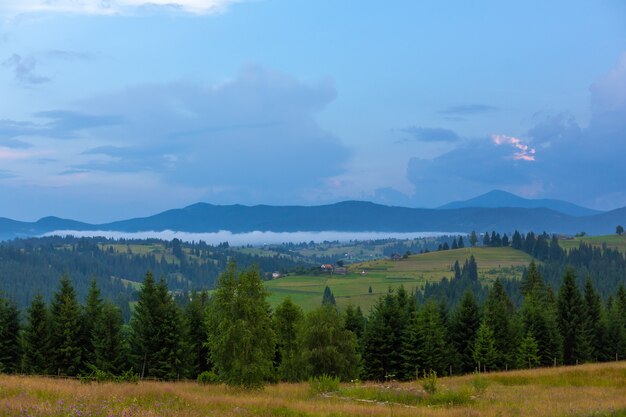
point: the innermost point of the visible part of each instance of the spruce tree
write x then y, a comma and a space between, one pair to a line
354, 320
485, 354
498, 315
328, 297
430, 343
473, 238
288, 319
457, 270
197, 333
382, 340
516, 241
595, 322
91, 314
615, 344
66, 335
10, 349
571, 320
540, 320
465, 323
109, 350
528, 352
144, 337
170, 358
37, 338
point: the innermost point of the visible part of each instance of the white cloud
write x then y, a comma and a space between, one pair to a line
111, 7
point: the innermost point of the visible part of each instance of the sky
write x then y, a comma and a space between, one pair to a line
111, 109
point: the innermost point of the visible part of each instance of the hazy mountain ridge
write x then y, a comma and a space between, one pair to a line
499, 198
350, 216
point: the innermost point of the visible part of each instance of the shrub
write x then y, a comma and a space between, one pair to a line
323, 383
479, 384
429, 383
207, 377
100, 376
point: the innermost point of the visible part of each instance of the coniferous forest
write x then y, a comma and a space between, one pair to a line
232, 335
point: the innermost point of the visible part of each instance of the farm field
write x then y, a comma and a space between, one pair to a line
587, 390
413, 272
611, 241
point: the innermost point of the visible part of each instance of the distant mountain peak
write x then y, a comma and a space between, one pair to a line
500, 198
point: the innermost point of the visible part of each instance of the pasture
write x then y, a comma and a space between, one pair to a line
413, 272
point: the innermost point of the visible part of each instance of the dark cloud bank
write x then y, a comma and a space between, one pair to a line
586, 165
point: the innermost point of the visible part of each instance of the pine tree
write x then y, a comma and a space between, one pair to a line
10, 351
37, 338
328, 348
571, 320
461, 244
241, 336
465, 323
454, 244
66, 335
288, 319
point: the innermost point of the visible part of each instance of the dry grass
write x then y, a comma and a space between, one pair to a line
587, 390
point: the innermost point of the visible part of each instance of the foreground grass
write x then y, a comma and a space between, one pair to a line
413, 272
588, 390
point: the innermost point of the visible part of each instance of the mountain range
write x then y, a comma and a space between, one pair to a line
496, 210
499, 198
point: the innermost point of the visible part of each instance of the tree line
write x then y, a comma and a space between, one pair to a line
33, 266
234, 336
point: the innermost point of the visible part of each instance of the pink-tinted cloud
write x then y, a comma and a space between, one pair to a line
524, 152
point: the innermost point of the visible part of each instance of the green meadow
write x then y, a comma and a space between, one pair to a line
413, 272
611, 241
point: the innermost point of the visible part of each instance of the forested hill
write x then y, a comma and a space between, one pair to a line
351, 216
34, 266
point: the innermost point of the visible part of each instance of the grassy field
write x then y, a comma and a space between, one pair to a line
413, 272
611, 241
597, 390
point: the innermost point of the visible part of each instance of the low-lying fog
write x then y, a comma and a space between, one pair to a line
251, 238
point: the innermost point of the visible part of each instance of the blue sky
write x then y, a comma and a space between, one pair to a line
119, 108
